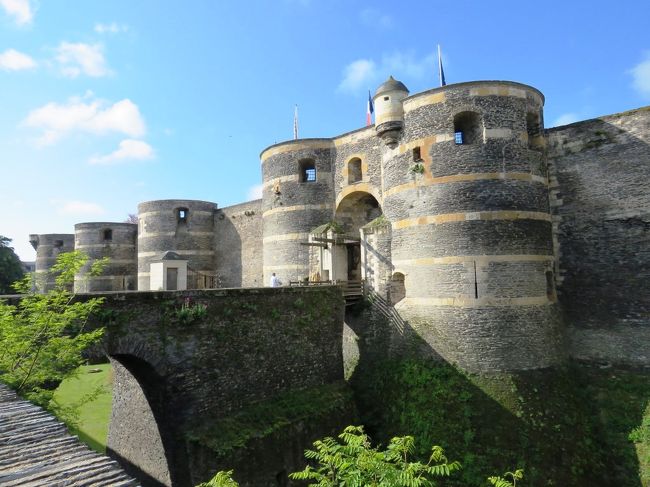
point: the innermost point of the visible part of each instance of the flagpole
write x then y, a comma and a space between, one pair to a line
369, 110
441, 72
295, 122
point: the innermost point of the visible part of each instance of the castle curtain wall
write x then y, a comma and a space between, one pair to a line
599, 173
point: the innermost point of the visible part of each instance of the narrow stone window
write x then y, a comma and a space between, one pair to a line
417, 154
550, 288
182, 214
534, 129
354, 171
386, 98
307, 171
108, 235
468, 128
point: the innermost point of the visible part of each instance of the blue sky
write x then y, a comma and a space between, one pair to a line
104, 104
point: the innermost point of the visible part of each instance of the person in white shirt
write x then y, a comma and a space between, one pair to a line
275, 282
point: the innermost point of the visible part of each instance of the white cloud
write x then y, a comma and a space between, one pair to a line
12, 60
20, 10
75, 59
357, 75
255, 192
79, 208
374, 18
95, 117
129, 149
366, 73
112, 28
565, 119
641, 77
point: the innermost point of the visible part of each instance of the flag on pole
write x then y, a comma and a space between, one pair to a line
369, 111
295, 123
441, 72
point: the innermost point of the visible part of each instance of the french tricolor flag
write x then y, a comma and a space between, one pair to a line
369, 111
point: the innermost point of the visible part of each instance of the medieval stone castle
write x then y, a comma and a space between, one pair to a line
504, 245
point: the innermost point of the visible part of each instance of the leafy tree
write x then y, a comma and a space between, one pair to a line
354, 462
42, 338
504, 482
11, 269
222, 479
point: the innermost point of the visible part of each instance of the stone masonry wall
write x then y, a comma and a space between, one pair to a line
292, 208
249, 345
599, 173
238, 245
471, 231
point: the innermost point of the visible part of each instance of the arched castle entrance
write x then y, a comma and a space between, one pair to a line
356, 245
353, 213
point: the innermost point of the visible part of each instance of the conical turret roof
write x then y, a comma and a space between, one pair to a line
391, 84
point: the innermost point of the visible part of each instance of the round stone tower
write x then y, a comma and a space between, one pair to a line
466, 192
185, 227
117, 242
297, 197
389, 110
48, 247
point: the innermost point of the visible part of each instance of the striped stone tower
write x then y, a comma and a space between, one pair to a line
185, 227
297, 197
117, 242
466, 192
48, 247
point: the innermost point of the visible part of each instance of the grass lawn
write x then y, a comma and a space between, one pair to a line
92, 427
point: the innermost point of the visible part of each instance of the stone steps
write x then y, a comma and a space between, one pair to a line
37, 450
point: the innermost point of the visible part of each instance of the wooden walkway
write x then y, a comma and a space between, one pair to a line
37, 450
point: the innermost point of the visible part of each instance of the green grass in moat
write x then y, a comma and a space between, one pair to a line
94, 416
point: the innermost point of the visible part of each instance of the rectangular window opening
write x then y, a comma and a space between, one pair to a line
310, 175
417, 155
181, 214
458, 138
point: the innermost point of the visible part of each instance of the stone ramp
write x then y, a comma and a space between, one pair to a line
37, 450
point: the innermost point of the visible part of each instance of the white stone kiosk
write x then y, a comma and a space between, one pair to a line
169, 273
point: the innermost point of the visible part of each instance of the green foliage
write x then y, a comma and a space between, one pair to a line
380, 221
332, 225
503, 482
354, 462
266, 417
222, 479
42, 338
189, 313
11, 269
492, 422
417, 168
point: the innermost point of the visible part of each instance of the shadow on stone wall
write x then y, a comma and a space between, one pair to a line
228, 251
599, 171
564, 426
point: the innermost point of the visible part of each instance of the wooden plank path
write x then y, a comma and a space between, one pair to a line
37, 450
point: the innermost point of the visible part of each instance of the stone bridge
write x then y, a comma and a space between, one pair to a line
187, 358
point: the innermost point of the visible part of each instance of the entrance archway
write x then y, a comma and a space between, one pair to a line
139, 437
354, 212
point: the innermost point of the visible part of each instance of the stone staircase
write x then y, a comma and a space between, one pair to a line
37, 450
